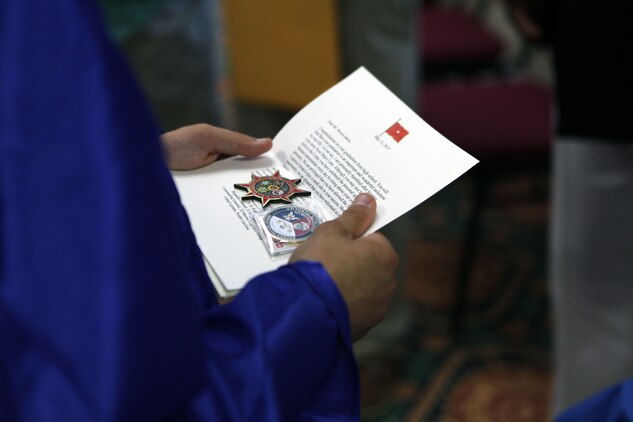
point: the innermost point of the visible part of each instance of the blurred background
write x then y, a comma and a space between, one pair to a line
469, 337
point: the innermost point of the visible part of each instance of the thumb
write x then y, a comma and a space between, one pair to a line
359, 216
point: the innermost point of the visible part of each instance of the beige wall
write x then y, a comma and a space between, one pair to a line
282, 53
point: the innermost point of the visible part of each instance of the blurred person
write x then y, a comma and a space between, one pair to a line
106, 310
591, 229
175, 49
382, 35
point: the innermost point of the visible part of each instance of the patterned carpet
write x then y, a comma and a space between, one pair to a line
498, 367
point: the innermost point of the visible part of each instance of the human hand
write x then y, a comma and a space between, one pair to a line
526, 25
533, 18
196, 146
363, 268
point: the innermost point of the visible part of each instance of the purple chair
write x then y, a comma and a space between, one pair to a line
453, 40
505, 124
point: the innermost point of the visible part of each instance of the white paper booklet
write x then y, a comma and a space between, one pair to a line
355, 137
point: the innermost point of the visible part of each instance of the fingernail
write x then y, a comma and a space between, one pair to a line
363, 199
262, 139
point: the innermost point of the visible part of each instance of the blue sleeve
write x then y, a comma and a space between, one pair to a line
106, 312
612, 405
284, 344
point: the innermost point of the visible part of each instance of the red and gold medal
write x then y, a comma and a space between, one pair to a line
273, 188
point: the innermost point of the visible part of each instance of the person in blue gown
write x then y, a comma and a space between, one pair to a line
613, 404
106, 310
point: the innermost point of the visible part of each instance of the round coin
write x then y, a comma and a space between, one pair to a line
291, 223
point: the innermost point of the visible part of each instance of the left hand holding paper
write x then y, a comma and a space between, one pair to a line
195, 146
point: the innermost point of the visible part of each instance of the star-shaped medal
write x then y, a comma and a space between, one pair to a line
271, 188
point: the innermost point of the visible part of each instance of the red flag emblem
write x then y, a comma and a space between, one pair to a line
397, 132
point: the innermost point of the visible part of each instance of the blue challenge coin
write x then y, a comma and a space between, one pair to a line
291, 223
